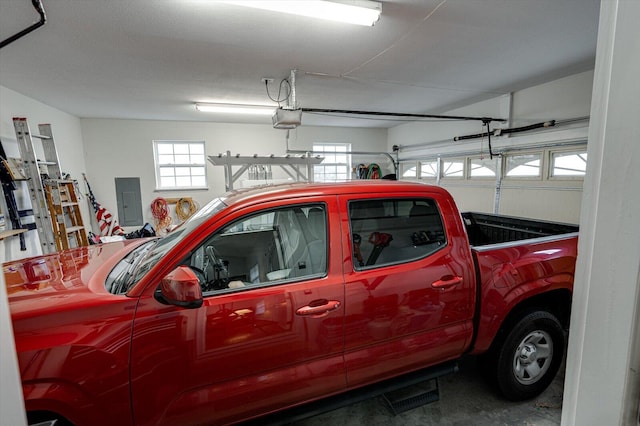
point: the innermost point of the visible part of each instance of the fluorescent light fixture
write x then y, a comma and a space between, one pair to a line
235, 108
359, 12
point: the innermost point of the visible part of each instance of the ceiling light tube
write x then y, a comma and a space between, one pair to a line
359, 12
235, 108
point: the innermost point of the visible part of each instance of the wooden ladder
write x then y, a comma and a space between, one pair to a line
62, 201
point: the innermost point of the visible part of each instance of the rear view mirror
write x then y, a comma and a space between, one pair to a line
180, 287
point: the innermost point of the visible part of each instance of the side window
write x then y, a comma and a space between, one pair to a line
270, 247
394, 231
180, 164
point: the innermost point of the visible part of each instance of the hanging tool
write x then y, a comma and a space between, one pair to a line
8, 186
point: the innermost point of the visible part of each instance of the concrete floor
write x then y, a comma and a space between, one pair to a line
465, 399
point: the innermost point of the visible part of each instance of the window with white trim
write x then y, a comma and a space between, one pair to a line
408, 170
482, 167
524, 165
429, 169
336, 165
180, 164
568, 164
453, 168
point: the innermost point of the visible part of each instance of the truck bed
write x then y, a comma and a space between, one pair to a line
485, 229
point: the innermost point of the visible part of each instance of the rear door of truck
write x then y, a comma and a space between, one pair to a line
409, 283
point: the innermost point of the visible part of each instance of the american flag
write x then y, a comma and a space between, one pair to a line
107, 223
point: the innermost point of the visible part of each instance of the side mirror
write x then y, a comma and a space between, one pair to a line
180, 287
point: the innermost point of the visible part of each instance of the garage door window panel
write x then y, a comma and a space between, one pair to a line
429, 169
453, 168
568, 164
526, 166
408, 170
482, 168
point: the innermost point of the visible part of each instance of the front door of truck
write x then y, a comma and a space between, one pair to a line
409, 285
270, 331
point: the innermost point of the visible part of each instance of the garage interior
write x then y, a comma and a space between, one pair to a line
535, 88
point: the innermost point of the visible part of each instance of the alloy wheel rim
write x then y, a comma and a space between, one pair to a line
532, 357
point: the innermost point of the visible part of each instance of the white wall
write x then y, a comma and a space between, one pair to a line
419, 132
602, 385
562, 99
11, 401
68, 139
124, 148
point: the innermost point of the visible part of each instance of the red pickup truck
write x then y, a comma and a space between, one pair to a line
273, 297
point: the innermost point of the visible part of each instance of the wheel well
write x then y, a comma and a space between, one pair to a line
35, 417
557, 302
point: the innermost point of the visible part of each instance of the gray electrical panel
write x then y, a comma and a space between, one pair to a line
129, 201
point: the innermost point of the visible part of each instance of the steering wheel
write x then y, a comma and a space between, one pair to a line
206, 285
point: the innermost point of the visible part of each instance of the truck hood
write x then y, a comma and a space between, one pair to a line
38, 284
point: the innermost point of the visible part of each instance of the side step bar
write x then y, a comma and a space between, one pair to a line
403, 400
414, 396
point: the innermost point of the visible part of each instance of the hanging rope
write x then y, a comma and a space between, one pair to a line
185, 208
160, 212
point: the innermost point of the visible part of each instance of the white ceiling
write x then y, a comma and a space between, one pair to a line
152, 59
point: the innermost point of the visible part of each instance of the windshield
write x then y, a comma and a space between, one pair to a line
136, 264
119, 277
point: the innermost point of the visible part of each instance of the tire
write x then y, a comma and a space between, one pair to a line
529, 357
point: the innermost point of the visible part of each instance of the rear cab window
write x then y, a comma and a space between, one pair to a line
391, 231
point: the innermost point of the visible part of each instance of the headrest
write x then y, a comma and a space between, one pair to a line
420, 210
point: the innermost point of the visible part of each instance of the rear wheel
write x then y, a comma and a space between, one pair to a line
529, 357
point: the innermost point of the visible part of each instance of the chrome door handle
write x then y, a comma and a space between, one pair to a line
446, 282
318, 308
